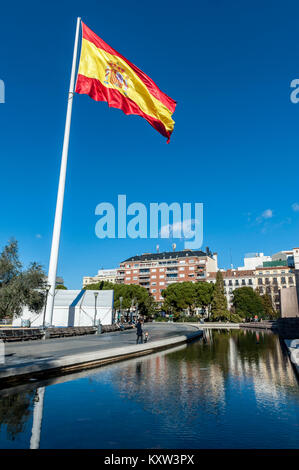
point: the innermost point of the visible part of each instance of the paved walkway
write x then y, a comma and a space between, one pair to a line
39, 356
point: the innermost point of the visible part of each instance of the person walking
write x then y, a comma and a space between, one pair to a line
139, 332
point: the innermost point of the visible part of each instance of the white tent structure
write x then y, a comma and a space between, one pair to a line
74, 308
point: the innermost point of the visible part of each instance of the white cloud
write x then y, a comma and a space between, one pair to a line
267, 214
38, 235
295, 207
182, 229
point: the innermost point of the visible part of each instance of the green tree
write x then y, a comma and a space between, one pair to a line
130, 293
204, 295
101, 285
247, 302
268, 311
219, 310
179, 296
61, 286
19, 288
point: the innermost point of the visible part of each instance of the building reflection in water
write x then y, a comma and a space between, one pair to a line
185, 384
201, 372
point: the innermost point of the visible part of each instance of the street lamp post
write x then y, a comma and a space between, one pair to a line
131, 313
95, 307
120, 304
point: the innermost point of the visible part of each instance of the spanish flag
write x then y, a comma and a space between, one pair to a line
105, 75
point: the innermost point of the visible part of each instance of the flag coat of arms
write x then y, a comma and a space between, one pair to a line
105, 75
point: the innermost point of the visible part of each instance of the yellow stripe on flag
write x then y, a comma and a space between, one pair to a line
94, 63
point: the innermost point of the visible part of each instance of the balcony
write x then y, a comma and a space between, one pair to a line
201, 275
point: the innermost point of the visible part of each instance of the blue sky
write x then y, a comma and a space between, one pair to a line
235, 146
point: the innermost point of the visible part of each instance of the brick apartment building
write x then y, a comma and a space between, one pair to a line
155, 271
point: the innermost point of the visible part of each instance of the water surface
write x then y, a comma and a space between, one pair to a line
237, 389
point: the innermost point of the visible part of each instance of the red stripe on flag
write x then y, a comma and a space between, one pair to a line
98, 92
149, 83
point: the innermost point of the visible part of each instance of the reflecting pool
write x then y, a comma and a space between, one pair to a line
232, 389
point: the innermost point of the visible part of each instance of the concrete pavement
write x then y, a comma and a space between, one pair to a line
64, 355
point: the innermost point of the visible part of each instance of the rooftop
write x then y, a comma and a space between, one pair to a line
267, 268
166, 255
233, 273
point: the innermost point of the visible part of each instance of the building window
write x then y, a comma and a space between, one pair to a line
283, 280
191, 268
135, 278
291, 280
236, 282
243, 282
153, 270
250, 282
182, 275
260, 281
230, 282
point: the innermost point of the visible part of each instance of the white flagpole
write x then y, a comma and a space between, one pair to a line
60, 194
